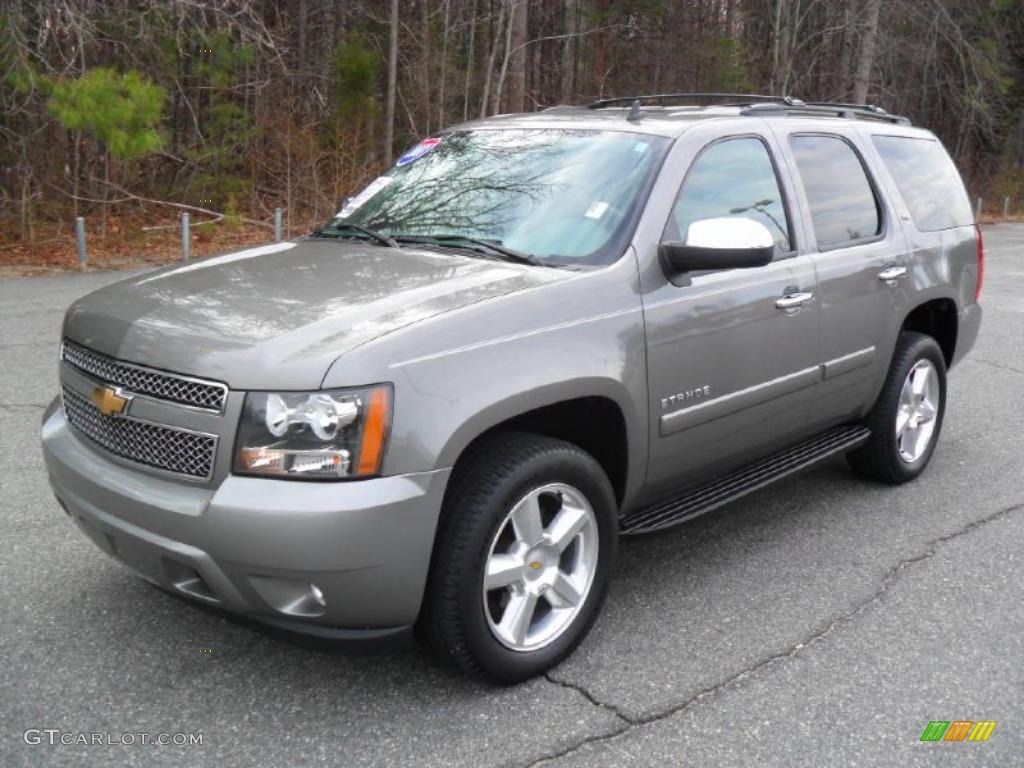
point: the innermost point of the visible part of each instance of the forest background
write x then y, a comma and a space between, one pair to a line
131, 113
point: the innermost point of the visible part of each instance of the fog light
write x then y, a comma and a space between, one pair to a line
290, 596
318, 595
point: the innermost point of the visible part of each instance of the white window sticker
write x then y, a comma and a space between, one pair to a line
596, 209
355, 203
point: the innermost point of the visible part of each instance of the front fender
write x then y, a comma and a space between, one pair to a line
517, 404
444, 403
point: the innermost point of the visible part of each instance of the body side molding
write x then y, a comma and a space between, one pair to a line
847, 363
684, 418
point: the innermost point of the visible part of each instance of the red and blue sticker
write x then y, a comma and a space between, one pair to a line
418, 151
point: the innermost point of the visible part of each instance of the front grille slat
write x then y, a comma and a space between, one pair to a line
145, 381
168, 448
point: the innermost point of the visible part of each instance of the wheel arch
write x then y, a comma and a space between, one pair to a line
598, 422
937, 318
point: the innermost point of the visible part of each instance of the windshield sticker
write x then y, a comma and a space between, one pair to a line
596, 210
418, 151
353, 204
640, 146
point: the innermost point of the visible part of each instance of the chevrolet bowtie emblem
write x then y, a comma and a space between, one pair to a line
110, 401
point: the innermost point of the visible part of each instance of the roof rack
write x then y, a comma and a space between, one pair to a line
845, 105
826, 108
734, 99
757, 104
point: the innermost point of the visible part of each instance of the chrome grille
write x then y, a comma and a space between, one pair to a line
174, 450
145, 381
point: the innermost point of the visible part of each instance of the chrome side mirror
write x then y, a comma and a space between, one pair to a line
721, 243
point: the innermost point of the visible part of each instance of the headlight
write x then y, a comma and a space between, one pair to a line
324, 435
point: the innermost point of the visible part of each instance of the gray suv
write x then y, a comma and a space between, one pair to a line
533, 335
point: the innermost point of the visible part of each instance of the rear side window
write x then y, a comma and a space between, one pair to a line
843, 204
928, 181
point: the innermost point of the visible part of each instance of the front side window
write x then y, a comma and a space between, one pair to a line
732, 178
928, 181
842, 202
564, 196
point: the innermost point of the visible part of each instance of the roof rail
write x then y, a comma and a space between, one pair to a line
830, 109
845, 105
736, 99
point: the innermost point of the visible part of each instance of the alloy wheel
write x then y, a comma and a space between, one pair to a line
917, 411
540, 567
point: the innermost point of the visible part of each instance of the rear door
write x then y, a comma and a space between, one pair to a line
859, 253
731, 372
936, 215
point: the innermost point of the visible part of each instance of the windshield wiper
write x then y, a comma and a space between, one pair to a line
475, 243
343, 227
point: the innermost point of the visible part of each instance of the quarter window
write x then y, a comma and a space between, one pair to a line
732, 178
843, 205
928, 181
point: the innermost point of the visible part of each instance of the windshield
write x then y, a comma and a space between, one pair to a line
564, 196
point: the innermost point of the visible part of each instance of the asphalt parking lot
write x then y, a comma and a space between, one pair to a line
823, 621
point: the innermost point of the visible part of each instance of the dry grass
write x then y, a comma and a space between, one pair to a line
988, 219
131, 242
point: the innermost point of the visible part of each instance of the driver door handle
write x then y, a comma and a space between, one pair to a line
794, 300
892, 274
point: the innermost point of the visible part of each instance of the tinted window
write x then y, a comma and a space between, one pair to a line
733, 178
843, 205
928, 181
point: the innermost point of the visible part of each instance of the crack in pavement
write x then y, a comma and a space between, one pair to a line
818, 636
996, 365
11, 406
591, 698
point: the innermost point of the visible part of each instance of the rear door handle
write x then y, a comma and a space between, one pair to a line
891, 274
793, 300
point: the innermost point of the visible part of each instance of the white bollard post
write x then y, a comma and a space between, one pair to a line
184, 237
80, 238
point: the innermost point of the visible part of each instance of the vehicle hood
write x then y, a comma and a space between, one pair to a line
277, 316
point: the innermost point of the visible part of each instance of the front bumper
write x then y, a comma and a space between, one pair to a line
344, 559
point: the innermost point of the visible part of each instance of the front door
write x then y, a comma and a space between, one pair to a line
733, 354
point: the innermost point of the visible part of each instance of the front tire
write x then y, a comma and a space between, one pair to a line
523, 556
907, 418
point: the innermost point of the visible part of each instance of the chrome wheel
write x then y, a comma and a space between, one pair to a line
918, 410
540, 567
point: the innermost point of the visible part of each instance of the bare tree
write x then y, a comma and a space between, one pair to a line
389, 118
489, 69
862, 79
518, 27
569, 46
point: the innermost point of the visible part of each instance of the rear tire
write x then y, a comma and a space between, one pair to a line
907, 418
537, 517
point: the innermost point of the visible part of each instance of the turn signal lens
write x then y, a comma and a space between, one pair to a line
375, 433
